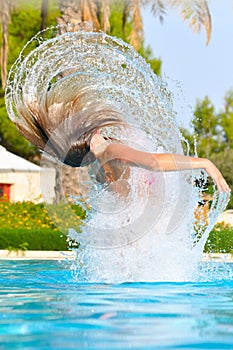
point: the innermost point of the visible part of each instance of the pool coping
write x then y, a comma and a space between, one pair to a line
70, 255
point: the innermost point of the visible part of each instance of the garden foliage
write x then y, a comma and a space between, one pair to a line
30, 225
220, 240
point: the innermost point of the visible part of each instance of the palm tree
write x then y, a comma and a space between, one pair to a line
98, 12
75, 12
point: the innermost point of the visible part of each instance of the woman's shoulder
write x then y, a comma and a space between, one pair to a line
98, 144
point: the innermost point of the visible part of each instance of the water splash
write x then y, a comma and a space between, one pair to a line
149, 234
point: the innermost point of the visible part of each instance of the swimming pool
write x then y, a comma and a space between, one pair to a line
43, 307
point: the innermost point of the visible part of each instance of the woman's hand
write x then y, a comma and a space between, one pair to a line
216, 175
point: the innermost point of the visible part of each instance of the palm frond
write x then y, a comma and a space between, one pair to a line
125, 15
105, 10
197, 13
136, 34
158, 7
86, 13
94, 6
90, 13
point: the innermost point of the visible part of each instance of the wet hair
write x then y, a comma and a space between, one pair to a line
63, 121
57, 103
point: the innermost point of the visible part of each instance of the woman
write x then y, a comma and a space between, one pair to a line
72, 135
69, 130
53, 96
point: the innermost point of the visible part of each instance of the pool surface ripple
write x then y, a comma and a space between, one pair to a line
43, 307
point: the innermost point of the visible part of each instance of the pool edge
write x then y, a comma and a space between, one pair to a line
36, 255
63, 255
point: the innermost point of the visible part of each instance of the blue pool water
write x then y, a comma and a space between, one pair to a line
43, 307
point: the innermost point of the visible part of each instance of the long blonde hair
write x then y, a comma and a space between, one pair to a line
54, 100
62, 120
59, 118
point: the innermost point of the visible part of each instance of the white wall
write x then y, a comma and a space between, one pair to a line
26, 186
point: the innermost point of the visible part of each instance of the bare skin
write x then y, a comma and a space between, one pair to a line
106, 152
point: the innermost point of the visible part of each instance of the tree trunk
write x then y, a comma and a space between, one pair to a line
73, 12
44, 13
79, 15
5, 19
71, 15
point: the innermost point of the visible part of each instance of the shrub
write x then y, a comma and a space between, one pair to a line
220, 240
30, 226
25, 225
38, 239
30, 216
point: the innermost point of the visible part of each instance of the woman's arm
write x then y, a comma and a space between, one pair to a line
162, 162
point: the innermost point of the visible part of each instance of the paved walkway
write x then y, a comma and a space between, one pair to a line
35, 254
56, 255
